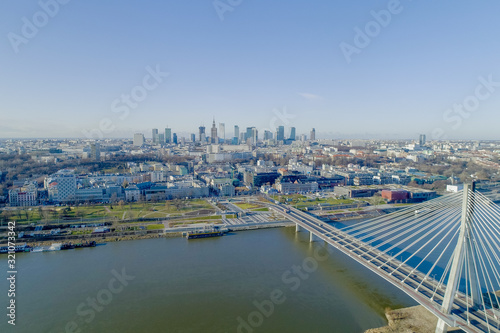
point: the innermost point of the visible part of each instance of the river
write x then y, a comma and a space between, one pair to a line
270, 280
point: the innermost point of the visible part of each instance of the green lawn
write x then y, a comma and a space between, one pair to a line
198, 218
244, 205
155, 226
125, 211
289, 197
331, 201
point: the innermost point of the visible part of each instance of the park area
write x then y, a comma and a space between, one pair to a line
191, 209
301, 201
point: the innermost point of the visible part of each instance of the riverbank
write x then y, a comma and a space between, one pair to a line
103, 238
99, 240
415, 319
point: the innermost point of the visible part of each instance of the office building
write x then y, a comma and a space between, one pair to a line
292, 134
422, 139
175, 138
61, 186
27, 195
155, 135
222, 131
138, 139
168, 135
313, 134
248, 133
95, 151
255, 136
280, 133
193, 137
202, 133
236, 134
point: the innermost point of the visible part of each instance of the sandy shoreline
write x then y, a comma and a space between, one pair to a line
415, 319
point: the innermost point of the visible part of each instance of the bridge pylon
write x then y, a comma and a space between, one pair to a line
462, 255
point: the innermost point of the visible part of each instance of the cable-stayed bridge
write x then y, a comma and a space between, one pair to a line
444, 253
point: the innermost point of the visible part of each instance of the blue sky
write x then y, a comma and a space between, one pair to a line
263, 60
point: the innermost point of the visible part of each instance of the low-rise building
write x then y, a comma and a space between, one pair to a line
24, 196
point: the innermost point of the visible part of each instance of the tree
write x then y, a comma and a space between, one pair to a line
114, 198
28, 213
376, 199
79, 213
6, 216
19, 213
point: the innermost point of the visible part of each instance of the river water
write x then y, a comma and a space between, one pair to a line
270, 280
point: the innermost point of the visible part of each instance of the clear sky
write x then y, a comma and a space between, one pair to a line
250, 63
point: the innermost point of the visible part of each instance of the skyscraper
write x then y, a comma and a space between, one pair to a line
95, 151
168, 135
175, 138
248, 134
280, 133
313, 134
422, 139
213, 134
268, 135
155, 135
292, 133
222, 131
255, 136
202, 133
138, 139
236, 134
193, 137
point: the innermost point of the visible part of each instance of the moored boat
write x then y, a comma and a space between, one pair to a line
37, 249
213, 231
55, 247
86, 244
17, 248
67, 246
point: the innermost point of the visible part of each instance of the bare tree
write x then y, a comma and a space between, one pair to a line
114, 198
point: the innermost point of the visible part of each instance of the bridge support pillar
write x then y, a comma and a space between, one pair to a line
462, 253
311, 237
297, 227
442, 327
